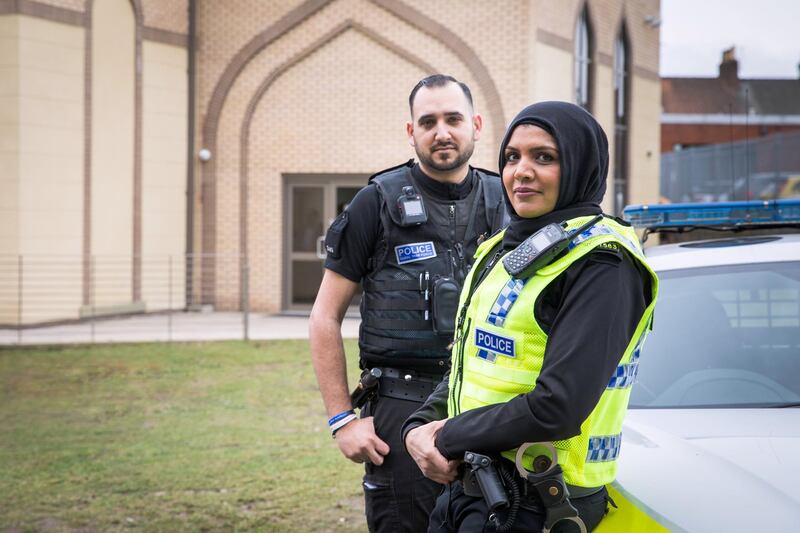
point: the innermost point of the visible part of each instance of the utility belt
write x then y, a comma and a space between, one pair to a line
393, 383
403, 384
529, 496
506, 485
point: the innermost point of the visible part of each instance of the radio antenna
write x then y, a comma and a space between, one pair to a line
733, 172
747, 139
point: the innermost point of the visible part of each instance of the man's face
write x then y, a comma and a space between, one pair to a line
444, 129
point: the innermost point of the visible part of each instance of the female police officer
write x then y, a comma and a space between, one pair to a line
547, 345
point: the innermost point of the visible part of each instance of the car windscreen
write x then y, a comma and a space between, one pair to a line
723, 336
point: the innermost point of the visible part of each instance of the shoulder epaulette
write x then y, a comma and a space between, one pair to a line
409, 163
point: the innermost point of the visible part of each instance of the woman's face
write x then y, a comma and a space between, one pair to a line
532, 172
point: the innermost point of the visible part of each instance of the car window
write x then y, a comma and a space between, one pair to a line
725, 336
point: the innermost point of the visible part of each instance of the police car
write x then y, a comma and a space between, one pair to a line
711, 441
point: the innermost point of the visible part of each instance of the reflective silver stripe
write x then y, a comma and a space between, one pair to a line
598, 230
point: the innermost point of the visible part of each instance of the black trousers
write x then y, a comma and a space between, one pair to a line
455, 511
398, 498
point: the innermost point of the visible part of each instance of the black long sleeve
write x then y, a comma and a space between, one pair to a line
590, 313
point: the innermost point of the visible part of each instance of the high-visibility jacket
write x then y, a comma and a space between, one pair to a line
501, 346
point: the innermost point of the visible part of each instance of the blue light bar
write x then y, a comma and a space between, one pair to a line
725, 214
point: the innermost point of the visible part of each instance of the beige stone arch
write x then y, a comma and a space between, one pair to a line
279, 71
247, 200
461, 49
296, 16
217, 103
87, 252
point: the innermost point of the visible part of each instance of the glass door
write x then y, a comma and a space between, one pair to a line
307, 219
312, 202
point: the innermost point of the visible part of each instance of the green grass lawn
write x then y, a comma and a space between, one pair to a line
198, 437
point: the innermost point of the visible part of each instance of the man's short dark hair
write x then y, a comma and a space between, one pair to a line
437, 80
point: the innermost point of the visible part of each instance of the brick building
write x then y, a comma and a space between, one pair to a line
114, 157
701, 111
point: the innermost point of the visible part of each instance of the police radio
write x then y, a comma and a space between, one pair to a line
541, 248
412, 210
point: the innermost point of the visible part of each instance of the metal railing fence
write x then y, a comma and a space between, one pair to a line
762, 168
65, 298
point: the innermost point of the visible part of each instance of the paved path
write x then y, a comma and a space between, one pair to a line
175, 327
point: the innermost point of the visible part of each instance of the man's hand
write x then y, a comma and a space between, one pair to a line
420, 445
358, 442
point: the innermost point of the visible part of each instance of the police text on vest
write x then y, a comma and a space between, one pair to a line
494, 343
417, 251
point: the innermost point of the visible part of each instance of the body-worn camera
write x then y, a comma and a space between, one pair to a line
412, 210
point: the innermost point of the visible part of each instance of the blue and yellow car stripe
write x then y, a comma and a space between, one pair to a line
627, 517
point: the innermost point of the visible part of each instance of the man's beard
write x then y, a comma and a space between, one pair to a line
449, 164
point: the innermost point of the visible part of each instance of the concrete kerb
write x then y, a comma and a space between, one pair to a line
175, 327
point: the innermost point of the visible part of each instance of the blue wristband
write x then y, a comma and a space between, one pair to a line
335, 418
342, 423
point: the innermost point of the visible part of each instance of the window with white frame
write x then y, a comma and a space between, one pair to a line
583, 58
621, 119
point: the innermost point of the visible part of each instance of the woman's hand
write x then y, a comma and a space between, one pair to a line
420, 443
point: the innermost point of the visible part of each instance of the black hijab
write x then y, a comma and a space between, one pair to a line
583, 156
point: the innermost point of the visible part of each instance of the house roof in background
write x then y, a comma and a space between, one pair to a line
729, 94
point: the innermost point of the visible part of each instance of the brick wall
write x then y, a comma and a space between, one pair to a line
168, 15
321, 87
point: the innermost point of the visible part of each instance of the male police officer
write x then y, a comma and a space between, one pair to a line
409, 237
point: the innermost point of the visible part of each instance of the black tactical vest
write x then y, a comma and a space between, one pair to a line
415, 276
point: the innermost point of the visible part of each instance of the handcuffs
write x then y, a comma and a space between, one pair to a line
548, 480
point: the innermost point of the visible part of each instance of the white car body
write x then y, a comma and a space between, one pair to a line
710, 469
679, 256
